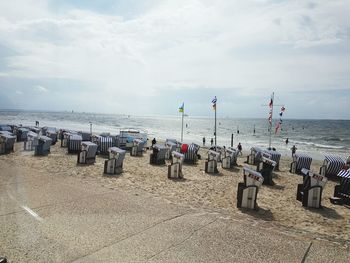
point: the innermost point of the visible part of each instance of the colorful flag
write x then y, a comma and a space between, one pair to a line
271, 103
182, 107
279, 124
214, 103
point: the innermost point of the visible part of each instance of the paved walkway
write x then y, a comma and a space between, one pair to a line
63, 219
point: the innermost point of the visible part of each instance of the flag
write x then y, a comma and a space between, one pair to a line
279, 124
214, 103
182, 107
271, 103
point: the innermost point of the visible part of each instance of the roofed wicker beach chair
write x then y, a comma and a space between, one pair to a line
247, 191
175, 168
300, 161
211, 164
22, 134
31, 142
191, 152
266, 167
114, 165
7, 142
87, 154
85, 135
5, 127
74, 143
254, 156
52, 133
137, 147
331, 166
230, 158
158, 154
342, 191
104, 143
275, 156
309, 193
43, 146
171, 146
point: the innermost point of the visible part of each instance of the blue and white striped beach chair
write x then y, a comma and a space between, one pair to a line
342, 191
74, 143
332, 165
104, 143
300, 161
191, 156
275, 156
7, 142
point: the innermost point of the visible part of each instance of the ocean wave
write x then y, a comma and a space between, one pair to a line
318, 145
331, 139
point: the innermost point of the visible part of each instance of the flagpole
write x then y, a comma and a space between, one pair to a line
273, 94
182, 124
215, 126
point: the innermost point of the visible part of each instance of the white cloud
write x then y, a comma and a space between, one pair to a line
18, 92
253, 45
41, 88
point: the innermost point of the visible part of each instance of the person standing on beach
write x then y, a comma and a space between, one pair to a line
211, 141
153, 142
294, 149
203, 141
239, 148
287, 141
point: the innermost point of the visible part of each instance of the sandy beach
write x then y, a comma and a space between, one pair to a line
279, 209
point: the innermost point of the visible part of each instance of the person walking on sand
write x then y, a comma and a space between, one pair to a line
211, 142
203, 141
239, 148
294, 149
153, 142
287, 141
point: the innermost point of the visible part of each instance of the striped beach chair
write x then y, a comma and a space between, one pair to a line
31, 142
309, 193
275, 156
22, 134
175, 168
254, 156
342, 191
332, 165
43, 146
104, 143
211, 164
7, 142
87, 154
52, 133
158, 154
74, 143
114, 165
300, 161
266, 167
230, 158
191, 152
85, 135
247, 192
171, 147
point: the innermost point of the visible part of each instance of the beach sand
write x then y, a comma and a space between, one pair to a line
278, 208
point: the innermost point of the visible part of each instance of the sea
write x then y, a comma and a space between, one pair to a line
313, 137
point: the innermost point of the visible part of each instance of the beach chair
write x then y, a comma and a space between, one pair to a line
5, 127
211, 164
137, 147
86, 136
342, 190
7, 142
31, 142
22, 134
74, 143
254, 156
247, 191
230, 158
266, 167
191, 152
347, 162
331, 166
52, 133
114, 165
43, 146
309, 193
275, 156
175, 168
158, 154
171, 147
87, 154
300, 161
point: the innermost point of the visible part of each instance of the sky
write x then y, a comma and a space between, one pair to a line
147, 57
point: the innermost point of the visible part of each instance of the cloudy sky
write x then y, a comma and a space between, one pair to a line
147, 57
